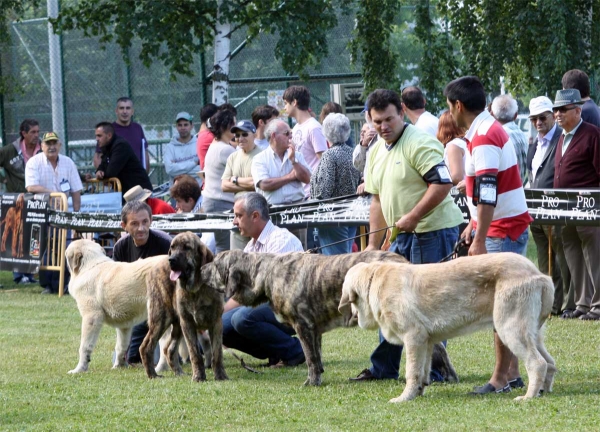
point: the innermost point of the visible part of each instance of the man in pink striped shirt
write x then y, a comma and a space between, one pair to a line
496, 199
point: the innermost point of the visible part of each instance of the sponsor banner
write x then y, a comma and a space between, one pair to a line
547, 207
23, 231
109, 202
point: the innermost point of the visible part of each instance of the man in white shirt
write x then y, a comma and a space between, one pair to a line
413, 103
256, 331
307, 134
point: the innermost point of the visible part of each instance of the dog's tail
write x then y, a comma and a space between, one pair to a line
547, 294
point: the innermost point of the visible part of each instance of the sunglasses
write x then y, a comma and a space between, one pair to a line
286, 133
564, 109
239, 135
541, 118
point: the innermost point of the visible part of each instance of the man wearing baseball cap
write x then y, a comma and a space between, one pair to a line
237, 177
180, 156
540, 163
577, 166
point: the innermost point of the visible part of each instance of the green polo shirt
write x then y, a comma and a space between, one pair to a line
396, 175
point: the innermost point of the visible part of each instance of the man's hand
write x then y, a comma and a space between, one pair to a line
360, 190
99, 175
292, 152
88, 176
371, 247
477, 247
462, 187
407, 223
466, 234
368, 137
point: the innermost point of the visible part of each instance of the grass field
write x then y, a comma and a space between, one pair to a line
39, 338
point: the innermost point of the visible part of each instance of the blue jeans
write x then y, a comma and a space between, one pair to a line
332, 235
257, 332
424, 248
497, 244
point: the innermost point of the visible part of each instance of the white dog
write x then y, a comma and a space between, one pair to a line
418, 305
107, 292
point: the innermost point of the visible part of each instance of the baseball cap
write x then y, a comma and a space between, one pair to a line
50, 136
539, 105
244, 125
184, 115
366, 108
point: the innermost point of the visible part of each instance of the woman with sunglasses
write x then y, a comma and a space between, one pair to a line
215, 200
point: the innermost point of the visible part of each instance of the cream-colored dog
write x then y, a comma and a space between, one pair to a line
107, 292
418, 305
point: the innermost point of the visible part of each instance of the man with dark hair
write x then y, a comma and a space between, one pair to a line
186, 193
141, 242
307, 134
578, 79
256, 331
118, 160
13, 157
410, 184
205, 136
262, 115
130, 131
496, 199
413, 104
577, 166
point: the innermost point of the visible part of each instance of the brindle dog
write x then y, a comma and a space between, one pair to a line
177, 296
304, 291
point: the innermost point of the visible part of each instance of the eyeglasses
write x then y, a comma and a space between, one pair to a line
541, 118
564, 109
243, 134
286, 133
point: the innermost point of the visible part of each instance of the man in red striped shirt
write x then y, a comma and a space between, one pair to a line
496, 199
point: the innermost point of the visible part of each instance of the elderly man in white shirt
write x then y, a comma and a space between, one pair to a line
50, 171
256, 331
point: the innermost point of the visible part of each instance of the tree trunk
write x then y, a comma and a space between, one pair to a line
220, 76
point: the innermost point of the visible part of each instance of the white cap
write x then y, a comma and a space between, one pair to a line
539, 105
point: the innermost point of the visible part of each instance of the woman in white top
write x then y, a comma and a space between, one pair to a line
450, 135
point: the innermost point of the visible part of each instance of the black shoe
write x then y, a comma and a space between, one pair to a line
489, 389
572, 314
47, 291
365, 375
516, 383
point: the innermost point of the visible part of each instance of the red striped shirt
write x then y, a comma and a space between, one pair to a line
490, 151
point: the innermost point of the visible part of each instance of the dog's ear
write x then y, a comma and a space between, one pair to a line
74, 262
234, 281
348, 297
205, 253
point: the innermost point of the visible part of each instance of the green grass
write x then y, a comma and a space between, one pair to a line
39, 340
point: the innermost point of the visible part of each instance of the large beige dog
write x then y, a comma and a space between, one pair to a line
107, 292
418, 305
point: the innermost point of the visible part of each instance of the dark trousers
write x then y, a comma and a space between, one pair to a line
564, 297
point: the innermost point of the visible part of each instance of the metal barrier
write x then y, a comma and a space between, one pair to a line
57, 242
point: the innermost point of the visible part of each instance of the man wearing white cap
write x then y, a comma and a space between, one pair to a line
540, 163
180, 156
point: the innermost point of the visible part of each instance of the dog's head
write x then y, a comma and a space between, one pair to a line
355, 296
216, 273
187, 255
20, 202
81, 252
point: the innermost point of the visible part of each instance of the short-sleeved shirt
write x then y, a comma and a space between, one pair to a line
309, 140
40, 172
239, 164
216, 159
273, 239
205, 138
428, 122
266, 165
396, 175
125, 249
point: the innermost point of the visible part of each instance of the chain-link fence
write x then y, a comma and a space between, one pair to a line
94, 78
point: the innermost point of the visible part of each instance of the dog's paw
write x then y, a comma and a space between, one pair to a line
162, 367
155, 376
198, 378
77, 370
400, 399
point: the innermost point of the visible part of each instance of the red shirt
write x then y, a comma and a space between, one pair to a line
205, 138
159, 206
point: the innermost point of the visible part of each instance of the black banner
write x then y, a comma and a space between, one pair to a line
547, 207
24, 222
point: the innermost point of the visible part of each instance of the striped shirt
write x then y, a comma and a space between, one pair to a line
490, 151
273, 239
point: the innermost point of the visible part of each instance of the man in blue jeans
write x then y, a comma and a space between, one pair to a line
256, 331
410, 185
496, 200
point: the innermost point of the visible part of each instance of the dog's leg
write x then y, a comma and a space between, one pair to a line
427, 368
90, 330
320, 353
310, 346
416, 357
204, 340
551, 370
156, 327
183, 351
216, 342
440, 360
172, 348
191, 338
163, 364
123, 339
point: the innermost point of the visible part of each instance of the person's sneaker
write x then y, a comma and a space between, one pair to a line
489, 389
26, 280
298, 360
364, 375
516, 383
47, 291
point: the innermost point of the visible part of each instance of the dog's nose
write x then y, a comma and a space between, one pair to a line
172, 259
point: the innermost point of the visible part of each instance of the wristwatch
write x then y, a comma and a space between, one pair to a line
234, 179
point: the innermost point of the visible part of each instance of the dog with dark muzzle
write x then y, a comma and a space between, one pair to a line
178, 297
304, 291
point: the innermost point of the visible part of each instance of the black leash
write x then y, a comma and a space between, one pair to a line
315, 249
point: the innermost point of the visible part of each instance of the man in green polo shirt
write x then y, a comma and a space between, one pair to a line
410, 185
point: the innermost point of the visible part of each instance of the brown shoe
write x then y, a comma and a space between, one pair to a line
365, 375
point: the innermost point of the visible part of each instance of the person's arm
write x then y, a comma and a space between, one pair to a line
32, 179
38, 189
434, 195
272, 184
376, 222
485, 214
147, 161
455, 163
230, 304
359, 157
118, 159
299, 166
76, 197
97, 160
243, 184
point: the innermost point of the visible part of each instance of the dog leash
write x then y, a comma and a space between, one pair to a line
241, 360
315, 249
